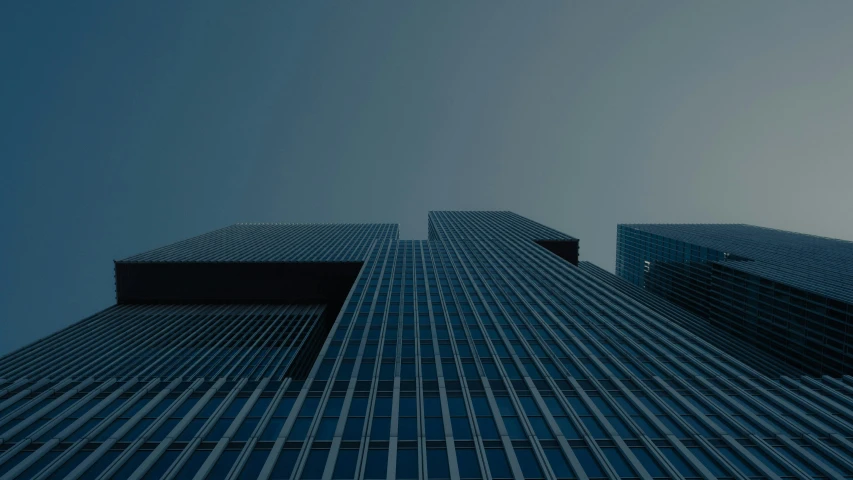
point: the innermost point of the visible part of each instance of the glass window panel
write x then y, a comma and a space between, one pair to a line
221, 467
527, 461
408, 406
558, 463
284, 407
235, 407
299, 429
309, 407
273, 428
315, 464
434, 429
488, 428
51, 456
382, 406
456, 406
618, 461
567, 427
254, 465
514, 428
353, 428
710, 464
461, 428
540, 429
649, 463
498, 465
345, 464
377, 463
156, 471
407, 428
218, 430
588, 462
437, 466
481, 405
326, 429
432, 406
284, 465
246, 428
209, 407
333, 407
381, 428
195, 462
407, 463
469, 467
678, 461
358, 407
190, 430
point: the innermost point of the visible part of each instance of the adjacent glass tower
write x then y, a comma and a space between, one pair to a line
339, 351
787, 294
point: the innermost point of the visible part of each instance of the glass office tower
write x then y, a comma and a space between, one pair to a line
339, 351
787, 294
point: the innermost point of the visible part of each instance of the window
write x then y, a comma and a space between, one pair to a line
558, 463
225, 421
251, 421
381, 423
527, 461
437, 466
315, 464
618, 461
345, 464
681, 465
377, 463
253, 465
284, 465
355, 418
498, 465
195, 462
534, 415
469, 466
649, 463
433, 423
588, 462
273, 428
407, 463
407, 427
303, 421
221, 467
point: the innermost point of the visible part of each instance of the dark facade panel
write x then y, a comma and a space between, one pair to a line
229, 282
565, 249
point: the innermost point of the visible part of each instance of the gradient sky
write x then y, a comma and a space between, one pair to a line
129, 125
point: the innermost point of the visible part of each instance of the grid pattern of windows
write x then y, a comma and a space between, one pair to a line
275, 242
151, 341
786, 294
474, 354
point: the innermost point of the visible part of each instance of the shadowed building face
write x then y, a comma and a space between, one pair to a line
788, 294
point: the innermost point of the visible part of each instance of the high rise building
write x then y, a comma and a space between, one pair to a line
787, 294
339, 351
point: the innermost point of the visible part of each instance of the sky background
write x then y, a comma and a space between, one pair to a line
125, 126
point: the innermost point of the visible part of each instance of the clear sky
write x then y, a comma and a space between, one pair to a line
128, 125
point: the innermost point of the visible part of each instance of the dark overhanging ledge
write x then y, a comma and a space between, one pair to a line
326, 283
234, 282
565, 249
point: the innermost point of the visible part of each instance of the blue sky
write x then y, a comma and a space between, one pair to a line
128, 125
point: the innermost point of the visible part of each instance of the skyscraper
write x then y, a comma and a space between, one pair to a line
340, 351
787, 294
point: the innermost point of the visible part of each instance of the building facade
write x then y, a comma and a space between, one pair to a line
340, 351
787, 294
